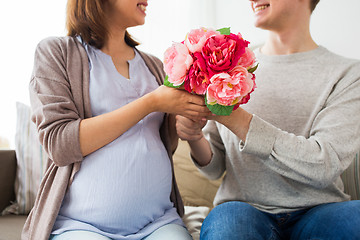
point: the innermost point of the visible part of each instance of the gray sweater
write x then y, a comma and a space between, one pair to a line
304, 133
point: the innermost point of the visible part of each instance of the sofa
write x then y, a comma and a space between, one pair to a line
21, 171
197, 192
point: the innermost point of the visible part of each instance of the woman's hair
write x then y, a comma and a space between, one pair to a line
313, 4
87, 19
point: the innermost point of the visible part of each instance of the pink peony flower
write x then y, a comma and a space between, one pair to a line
231, 88
247, 97
222, 52
177, 62
246, 80
196, 38
222, 90
198, 76
247, 59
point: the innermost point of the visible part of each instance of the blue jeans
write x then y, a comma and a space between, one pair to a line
238, 220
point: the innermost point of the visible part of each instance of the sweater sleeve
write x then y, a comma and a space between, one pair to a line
53, 109
333, 140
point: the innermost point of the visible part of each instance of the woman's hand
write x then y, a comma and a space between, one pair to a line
188, 129
191, 131
180, 102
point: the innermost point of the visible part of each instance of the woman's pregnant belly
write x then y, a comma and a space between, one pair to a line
125, 183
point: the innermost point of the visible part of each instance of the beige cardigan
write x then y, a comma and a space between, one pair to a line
59, 94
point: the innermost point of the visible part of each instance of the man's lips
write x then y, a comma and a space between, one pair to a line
259, 8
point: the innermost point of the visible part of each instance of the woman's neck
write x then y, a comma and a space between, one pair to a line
120, 53
115, 45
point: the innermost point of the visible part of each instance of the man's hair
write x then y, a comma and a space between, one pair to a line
86, 18
313, 4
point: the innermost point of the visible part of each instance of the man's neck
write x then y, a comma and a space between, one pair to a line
288, 41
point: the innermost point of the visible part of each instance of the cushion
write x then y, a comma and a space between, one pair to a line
4, 143
11, 227
31, 161
193, 218
195, 189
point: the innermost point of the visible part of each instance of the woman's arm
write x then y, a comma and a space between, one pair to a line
191, 131
209, 156
98, 131
61, 112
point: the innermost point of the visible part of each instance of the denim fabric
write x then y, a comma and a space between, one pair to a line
238, 220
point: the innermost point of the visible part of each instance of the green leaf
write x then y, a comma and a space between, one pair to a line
251, 70
169, 84
219, 109
224, 31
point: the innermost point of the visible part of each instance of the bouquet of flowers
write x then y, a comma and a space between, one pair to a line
215, 63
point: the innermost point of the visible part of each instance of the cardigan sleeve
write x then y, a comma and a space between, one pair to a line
52, 97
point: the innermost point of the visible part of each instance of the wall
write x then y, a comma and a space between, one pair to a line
334, 24
24, 23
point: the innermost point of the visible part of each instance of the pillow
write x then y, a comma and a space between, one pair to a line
193, 218
351, 179
195, 189
31, 162
4, 143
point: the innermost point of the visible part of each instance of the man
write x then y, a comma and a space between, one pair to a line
284, 151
